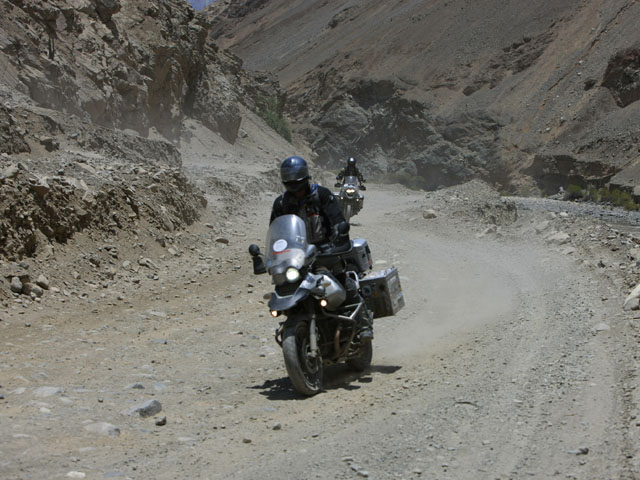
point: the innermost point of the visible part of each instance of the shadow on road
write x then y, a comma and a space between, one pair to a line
335, 377
279, 389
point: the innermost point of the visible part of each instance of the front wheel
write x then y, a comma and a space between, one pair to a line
304, 371
347, 212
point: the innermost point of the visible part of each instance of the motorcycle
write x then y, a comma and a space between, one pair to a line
351, 200
317, 329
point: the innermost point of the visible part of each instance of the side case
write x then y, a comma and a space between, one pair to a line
382, 292
361, 255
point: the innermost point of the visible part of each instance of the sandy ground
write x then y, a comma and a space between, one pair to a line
498, 367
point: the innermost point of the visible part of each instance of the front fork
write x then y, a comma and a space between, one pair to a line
313, 337
313, 331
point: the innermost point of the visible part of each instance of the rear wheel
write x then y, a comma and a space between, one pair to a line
304, 370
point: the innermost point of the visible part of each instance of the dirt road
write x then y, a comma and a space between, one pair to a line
508, 361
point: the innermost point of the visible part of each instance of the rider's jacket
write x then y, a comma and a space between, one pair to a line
319, 209
350, 170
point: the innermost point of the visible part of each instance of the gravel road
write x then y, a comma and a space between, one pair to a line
508, 361
615, 215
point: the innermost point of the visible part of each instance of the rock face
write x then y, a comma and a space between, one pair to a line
554, 171
394, 134
11, 137
440, 92
622, 76
39, 209
127, 64
93, 98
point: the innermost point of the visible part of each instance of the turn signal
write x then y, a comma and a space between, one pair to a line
275, 313
324, 303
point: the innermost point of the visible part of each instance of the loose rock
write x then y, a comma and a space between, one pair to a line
32, 289
16, 285
42, 392
43, 282
632, 302
559, 238
147, 409
103, 428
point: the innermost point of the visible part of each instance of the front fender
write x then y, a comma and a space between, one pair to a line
295, 318
286, 302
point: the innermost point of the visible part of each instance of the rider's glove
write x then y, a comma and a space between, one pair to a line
340, 233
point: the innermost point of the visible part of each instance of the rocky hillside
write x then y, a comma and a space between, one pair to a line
94, 96
124, 64
522, 94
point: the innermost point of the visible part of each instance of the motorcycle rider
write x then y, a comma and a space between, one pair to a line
351, 170
325, 223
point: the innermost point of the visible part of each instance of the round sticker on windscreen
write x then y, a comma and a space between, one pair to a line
279, 245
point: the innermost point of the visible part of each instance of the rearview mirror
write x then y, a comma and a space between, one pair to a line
258, 261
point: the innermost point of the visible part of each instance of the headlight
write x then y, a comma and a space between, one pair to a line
351, 190
292, 274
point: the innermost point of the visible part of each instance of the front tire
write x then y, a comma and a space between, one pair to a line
304, 371
347, 212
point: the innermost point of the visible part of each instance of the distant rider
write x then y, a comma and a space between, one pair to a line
321, 213
351, 170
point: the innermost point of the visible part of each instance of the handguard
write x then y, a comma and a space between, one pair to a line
258, 261
340, 234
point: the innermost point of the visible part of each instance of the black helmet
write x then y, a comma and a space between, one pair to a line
294, 173
352, 161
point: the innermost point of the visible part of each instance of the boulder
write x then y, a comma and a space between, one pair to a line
632, 302
558, 238
16, 285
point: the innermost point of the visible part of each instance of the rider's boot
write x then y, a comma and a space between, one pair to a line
364, 322
364, 326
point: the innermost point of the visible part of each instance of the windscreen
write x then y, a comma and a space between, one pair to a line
286, 243
351, 180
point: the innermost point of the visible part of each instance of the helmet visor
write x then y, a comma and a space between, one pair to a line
296, 185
